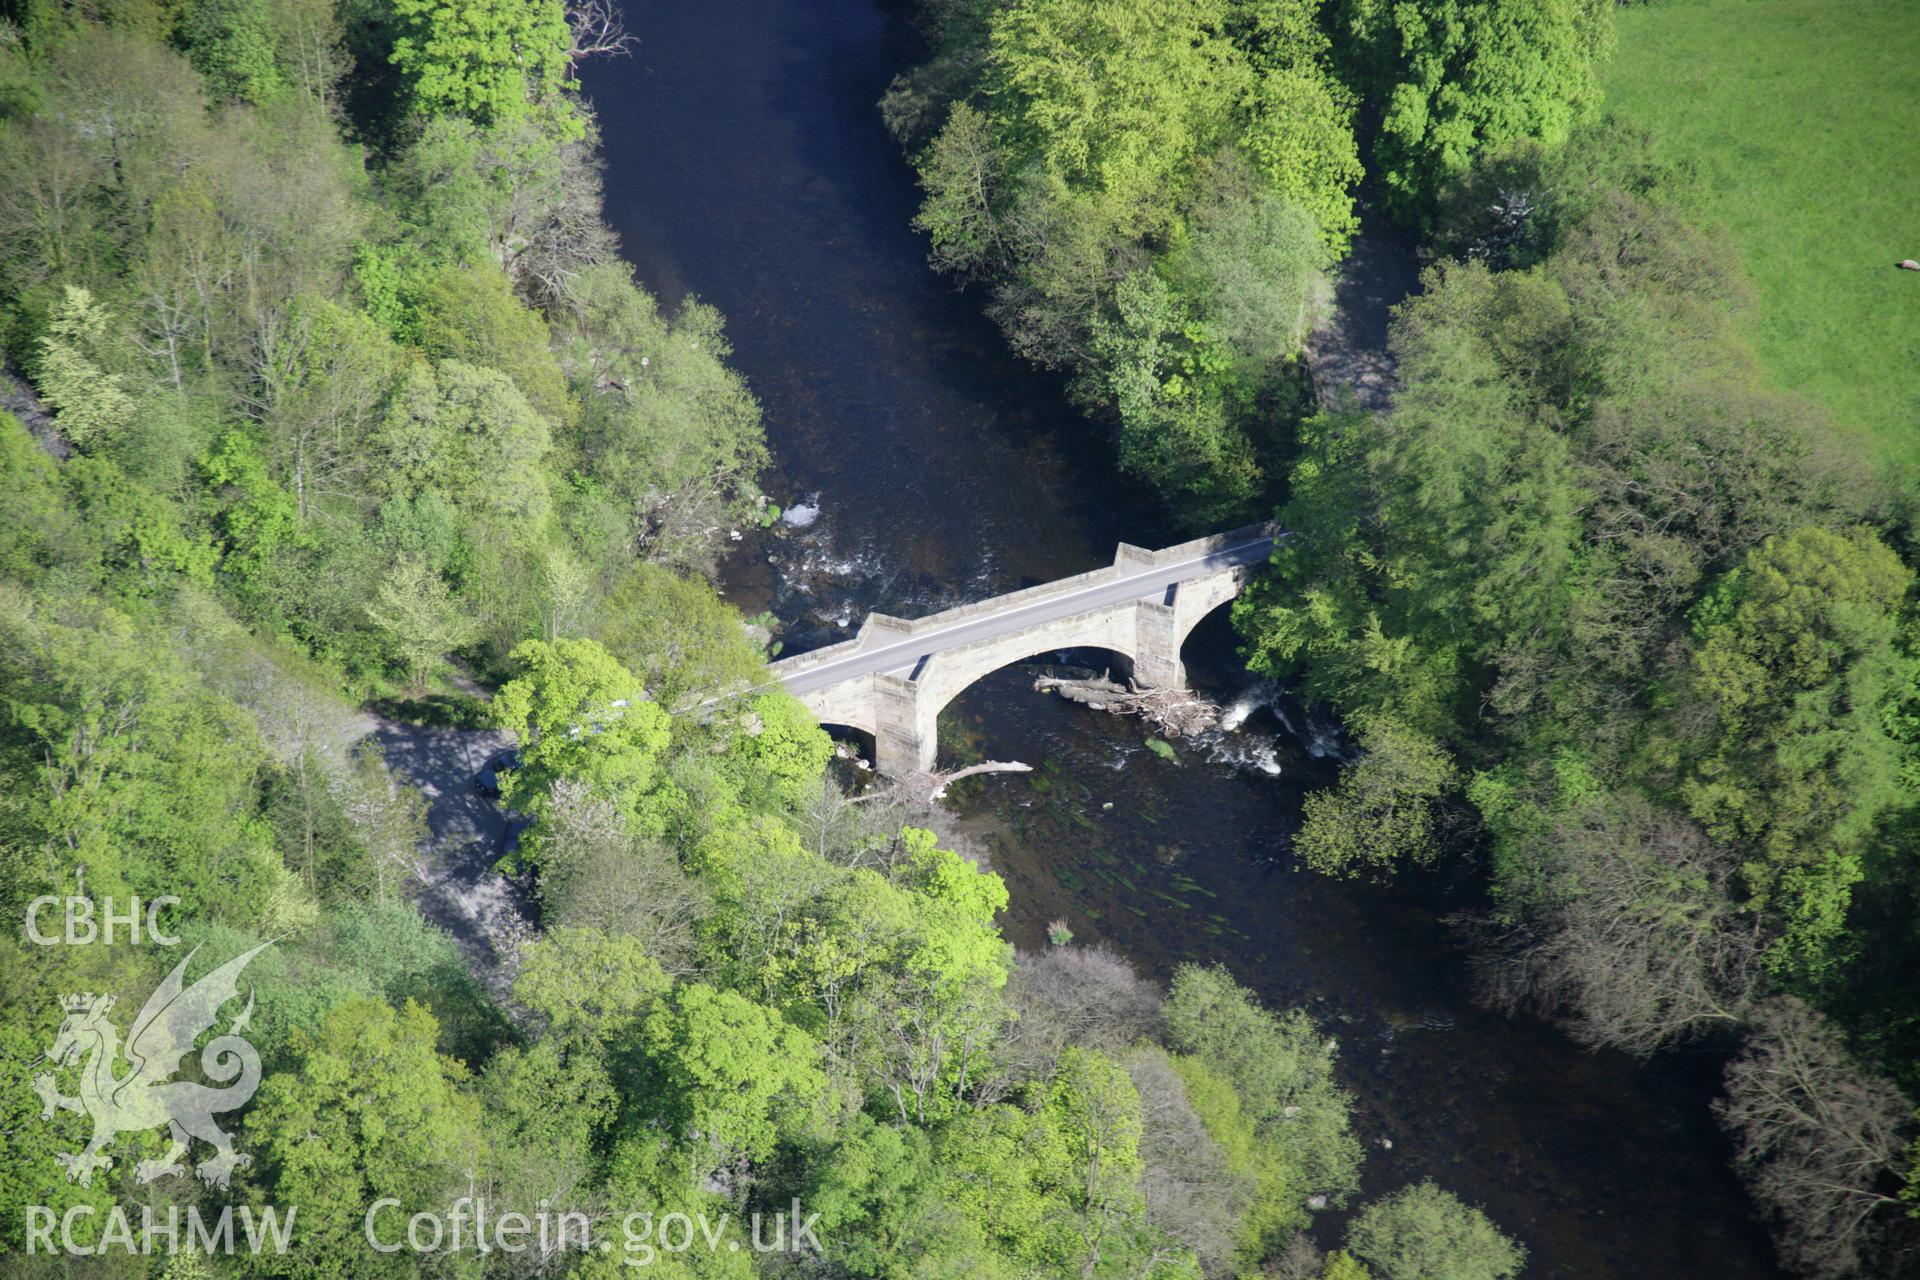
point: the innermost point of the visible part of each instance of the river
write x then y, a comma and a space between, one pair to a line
747, 165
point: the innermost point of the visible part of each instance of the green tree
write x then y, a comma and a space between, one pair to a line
471, 314
728, 1074
877, 1191
328, 370
580, 715
1167, 376
899, 975
1299, 136
1281, 1068
38, 530
1116, 97
1423, 1233
419, 618
586, 983
1455, 77
1342, 1265
130, 764
677, 635
546, 1109
964, 173
92, 405
468, 433
673, 434
1801, 653
1092, 1113
594, 872
497, 61
1255, 263
232, 44
996, 1165
30, 1016
1379, 816
778, 752
1278, 1205
1428, 542
367, 1110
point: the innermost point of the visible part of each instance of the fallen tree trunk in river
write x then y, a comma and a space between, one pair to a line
925, 788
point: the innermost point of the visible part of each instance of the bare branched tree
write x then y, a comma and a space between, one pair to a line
1636, 943
1088, 996
1298, 1259
564, 233
853, 831
1815, 1138
1192, 1196
596, 874
389, 820
597, 29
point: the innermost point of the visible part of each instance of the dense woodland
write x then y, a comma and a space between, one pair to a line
329, 386
1618, 621
327, 377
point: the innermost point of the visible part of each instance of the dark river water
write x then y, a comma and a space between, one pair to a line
747, 165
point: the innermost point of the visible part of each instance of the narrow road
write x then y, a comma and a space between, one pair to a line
899, 657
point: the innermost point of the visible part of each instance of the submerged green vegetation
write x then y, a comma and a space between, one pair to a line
334, 407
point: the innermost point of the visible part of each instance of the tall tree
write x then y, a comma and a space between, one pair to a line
728, 1074
580, 715
1455, 77
92, 404
1423, 1233
1815, 1137
367, 1109
497, 61
1803, 656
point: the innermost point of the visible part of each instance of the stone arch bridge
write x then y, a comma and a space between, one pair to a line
893, 678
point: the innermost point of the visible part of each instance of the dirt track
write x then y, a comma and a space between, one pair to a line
1349, 349
486, 913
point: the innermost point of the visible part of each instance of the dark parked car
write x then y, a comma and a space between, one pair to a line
487, 781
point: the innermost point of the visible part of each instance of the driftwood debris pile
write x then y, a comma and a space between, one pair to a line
1177, 713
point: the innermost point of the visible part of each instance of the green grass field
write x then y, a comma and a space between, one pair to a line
1803, 118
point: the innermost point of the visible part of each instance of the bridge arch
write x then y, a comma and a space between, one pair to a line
863, 735
960, 670
1203, 598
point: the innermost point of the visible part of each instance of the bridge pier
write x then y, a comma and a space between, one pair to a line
1156, 653
906, 733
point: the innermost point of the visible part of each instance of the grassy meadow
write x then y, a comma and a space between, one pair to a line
1801, 117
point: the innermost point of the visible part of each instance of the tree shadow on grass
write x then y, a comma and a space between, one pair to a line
434, 711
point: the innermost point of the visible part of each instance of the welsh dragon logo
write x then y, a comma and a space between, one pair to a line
147, 1096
